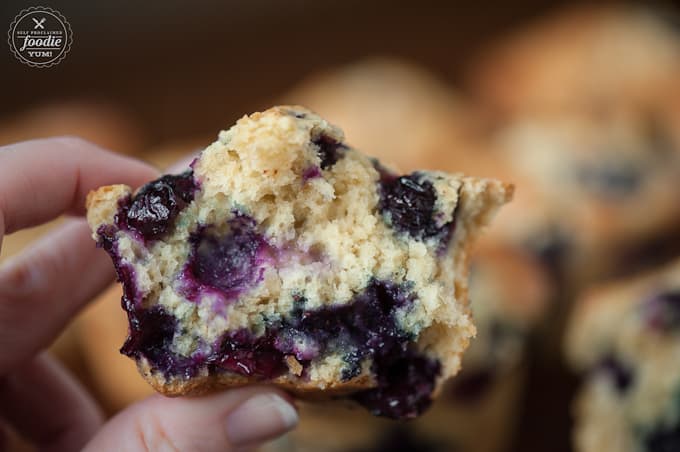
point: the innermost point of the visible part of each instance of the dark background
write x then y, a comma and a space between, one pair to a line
183, 68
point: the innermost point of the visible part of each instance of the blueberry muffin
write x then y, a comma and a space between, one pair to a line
624, 338
376, 97
476, 411
285, 256
596, 190
581, 58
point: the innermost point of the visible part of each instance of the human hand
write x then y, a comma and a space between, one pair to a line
45, 286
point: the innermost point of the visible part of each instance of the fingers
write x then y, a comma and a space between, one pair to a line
229, 421
41, 179
42, 288
45, 405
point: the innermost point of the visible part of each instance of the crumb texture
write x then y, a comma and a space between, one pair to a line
284, 255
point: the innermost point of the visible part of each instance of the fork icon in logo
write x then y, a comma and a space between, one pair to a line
38, 23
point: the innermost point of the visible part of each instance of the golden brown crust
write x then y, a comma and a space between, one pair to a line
102, 204
207, 384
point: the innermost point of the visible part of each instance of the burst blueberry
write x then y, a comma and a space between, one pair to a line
229, 262
150, 335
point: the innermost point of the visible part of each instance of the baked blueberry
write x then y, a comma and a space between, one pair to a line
329, 150
409, 205
229, 262
152, 211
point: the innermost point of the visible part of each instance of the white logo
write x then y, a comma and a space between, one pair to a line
40, 36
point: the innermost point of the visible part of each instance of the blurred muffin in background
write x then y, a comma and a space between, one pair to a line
391, 109
477, 410
105, 124
624, 337
580, 59
603, 189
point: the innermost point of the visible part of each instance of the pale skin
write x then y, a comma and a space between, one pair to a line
43, 288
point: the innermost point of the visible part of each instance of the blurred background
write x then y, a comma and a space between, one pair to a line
577, 105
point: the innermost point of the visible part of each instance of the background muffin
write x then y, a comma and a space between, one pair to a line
623, 337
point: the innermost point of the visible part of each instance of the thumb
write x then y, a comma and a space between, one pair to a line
231, 420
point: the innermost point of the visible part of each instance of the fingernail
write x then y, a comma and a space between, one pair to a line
260, 418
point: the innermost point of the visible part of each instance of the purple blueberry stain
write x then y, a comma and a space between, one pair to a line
242, 353
311, 172
364, 329
408, 206
125, 273
153, 210
405, 379
150, 331
298, 344
385, 175
151, 334
329, 150
225, 265
662, 311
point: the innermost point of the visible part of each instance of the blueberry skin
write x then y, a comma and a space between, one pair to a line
408, 205
329, 150
150, 335
229, 263
152, 211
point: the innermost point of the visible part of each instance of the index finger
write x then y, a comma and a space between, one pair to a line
42, 179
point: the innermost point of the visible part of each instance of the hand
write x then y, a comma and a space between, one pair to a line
43, 288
